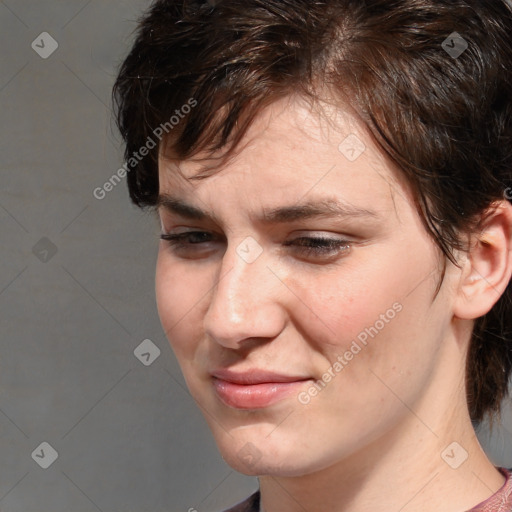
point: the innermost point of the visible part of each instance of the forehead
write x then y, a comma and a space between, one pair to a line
292, 151
287, 125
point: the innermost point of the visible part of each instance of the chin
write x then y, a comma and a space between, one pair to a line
258, 456
277, 466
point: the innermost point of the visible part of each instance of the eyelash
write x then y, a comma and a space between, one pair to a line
313, 246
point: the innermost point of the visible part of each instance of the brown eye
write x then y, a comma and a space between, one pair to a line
191, 244
191, 237
319, 246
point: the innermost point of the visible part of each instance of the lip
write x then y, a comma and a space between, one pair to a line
255, 376
254, 389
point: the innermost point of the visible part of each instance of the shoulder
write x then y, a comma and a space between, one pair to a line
501, 500
251, 504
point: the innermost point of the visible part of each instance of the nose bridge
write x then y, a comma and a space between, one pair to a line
235, 290
241, 297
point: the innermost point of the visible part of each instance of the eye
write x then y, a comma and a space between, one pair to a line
307, 247
191, 243
184, 240
319, 246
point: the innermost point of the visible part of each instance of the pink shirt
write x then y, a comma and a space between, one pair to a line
501, 501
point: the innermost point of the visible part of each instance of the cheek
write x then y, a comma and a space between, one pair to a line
339, 307
384, 344
179, 292
377, 316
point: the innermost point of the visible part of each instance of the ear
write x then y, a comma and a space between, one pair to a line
487, 268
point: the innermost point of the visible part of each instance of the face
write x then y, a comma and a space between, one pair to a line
300, 302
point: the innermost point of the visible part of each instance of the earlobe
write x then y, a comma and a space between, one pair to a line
487, 270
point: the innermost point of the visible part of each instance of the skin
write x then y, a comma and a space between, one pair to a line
372, 438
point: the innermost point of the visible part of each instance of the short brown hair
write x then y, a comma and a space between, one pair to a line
440, 110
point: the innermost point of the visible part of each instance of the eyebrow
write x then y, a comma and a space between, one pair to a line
324, 208
179, 207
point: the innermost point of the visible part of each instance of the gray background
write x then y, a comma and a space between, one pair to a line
77, 292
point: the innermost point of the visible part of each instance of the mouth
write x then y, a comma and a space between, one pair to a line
255, 389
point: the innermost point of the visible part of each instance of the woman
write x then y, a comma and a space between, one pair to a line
333, 183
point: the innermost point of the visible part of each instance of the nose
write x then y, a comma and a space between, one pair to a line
245, 303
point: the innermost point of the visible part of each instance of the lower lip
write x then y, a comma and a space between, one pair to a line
254, 396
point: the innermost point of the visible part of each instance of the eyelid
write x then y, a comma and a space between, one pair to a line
183, 230
316, 235
171, 236
312, 233
319, 248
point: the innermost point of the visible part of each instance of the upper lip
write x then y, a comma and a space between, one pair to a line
255, 376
